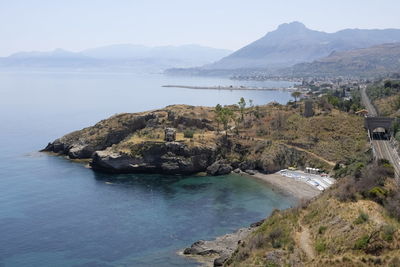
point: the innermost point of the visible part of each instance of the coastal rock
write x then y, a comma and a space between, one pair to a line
82, 144
155, 157
257, 224
250, 172
221, 260
246, 165
196, 248
237, 170
220, 167
217, 251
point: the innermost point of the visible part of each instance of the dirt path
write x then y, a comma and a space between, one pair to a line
305, 151
305, 243
311, 154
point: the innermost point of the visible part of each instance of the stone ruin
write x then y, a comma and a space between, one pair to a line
308, 109
169, 135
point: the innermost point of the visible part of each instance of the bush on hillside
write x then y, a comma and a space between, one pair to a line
188, 133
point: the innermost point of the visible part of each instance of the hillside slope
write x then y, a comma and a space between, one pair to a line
372, 61
356, 223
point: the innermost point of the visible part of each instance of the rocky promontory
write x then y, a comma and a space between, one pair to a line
184, 139
129, 143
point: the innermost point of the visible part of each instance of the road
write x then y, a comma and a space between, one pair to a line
381, 147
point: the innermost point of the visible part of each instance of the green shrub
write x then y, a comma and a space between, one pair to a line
322, 229
362, 218
276, 243
388, 232
378, 194
320, 246
362, 242
188, 133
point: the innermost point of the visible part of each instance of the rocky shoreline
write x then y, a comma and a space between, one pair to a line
216, 252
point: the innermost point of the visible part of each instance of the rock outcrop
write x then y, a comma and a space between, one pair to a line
217, 251
220, 167
82, 144
155, 157
142, 142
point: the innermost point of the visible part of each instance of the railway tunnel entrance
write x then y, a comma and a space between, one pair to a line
379, 128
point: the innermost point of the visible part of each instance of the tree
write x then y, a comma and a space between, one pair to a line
225, 117
242, 106
218, 110
251, 105
295, 95
387, 84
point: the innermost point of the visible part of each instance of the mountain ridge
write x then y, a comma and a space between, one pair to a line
293, 43
376, 60
119, 56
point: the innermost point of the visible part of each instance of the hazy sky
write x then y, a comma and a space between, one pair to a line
77, 24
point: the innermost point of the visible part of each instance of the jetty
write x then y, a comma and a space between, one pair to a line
232, 88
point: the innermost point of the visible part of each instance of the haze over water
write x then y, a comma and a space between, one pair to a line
54, 212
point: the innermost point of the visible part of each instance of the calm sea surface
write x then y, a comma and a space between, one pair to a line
54, 212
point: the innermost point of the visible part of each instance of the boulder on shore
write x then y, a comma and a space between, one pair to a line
220, 167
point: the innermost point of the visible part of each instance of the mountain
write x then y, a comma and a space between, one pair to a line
57, 53
373, 61
116, 57
293, 43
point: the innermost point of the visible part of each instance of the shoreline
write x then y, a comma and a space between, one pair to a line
288, 186
215, 252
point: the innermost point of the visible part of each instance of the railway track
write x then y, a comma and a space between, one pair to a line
380, 144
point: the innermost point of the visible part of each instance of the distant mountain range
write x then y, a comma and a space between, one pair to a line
293, 43
116, 57
373, 61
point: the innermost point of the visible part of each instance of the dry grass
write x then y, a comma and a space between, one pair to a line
388, 106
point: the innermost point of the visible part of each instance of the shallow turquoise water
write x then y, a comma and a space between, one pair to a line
54, 212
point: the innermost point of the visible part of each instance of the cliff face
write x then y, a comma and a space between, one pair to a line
156, 157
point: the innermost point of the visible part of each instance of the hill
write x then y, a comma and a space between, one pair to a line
269, 138
293, 43
355, 223
372, 61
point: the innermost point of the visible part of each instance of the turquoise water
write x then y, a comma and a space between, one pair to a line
54, 212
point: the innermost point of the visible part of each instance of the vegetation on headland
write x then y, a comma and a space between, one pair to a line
355, 223
267, 138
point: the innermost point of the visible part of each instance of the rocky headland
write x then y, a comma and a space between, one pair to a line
266, 139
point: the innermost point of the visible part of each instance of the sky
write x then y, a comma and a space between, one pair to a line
42, 25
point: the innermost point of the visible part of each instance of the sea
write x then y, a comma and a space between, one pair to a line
55, 212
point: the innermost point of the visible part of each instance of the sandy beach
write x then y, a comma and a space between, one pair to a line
289, 186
